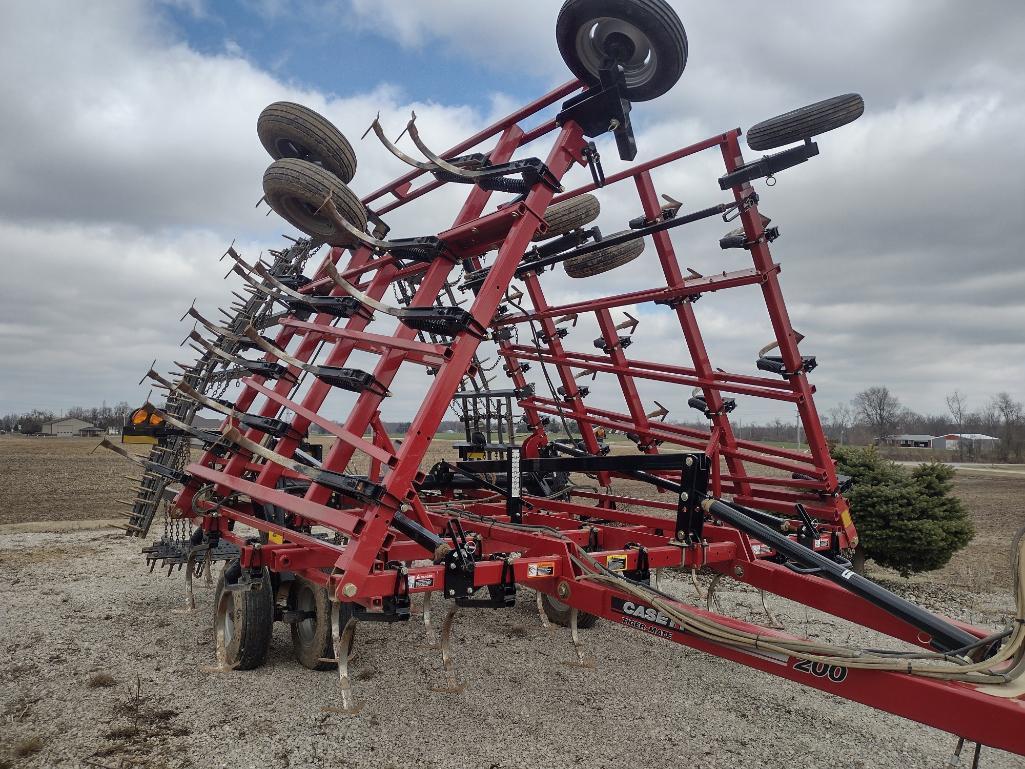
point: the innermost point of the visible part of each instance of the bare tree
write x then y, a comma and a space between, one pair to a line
841, 418
957, 404
1008, 414
877, 408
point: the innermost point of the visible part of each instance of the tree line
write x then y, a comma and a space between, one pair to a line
875, 413
32, 421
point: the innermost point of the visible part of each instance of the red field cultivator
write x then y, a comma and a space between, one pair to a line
324, 543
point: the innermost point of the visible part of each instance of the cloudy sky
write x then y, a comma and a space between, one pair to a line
132, 162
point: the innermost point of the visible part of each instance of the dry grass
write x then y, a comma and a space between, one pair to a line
28, 746
101, 681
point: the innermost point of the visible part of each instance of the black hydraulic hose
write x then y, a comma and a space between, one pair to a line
945, 636
638, 475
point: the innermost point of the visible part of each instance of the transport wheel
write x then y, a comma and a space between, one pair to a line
645, 36
311, 638
558, 612
296, 190
570, 215
289, 130
604, 259
246, 618
806, 122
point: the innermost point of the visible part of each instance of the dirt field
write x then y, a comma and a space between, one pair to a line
59, 479
98, 669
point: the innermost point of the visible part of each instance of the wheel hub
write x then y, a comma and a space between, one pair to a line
607, 38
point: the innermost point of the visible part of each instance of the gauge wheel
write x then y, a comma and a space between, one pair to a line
246, 618
311, 635
289, 130
559, 613
645, 36
569, 215
297, 189
604, 259
806, 122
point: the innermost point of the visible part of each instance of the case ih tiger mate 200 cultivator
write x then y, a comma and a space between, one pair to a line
360, 533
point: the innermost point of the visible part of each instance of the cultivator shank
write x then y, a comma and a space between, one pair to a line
371, 527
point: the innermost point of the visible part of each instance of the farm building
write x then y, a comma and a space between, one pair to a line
953, 441
68, 427
907, 441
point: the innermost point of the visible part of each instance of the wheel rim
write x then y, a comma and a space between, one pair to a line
228, 620
286, 148
603, 37
304, 215
305, 601
556, 604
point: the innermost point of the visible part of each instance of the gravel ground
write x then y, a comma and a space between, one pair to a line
96, 669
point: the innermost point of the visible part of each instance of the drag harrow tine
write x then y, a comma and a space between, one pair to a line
348, 485
244, 271
331, 374
354, 292
211, 439
432, 638
439, 162
212, 327
513, 295
453, 685
660, 413
187, 313
260, 368
152, 366
631, 323
378, 129
328, 207
694, 581
671, 206
195, 326
581, 661
264, 273
118, 450
341, 639
571, 319
164, 383
541, 611
190, 596
773, 620
231, 249
711, 604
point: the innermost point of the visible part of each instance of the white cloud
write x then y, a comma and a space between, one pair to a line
132, 162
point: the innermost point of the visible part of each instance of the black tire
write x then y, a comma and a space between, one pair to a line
558, 613
311, 638
569, 215
604, 259
296, 189
289, 130
646, 36
248, 620
806, 122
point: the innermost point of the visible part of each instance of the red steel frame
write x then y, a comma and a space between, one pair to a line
360, 570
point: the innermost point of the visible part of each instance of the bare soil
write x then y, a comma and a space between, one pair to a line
97, 668
63, 479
